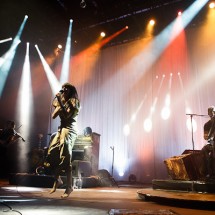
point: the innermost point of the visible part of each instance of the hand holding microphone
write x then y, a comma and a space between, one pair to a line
59, 93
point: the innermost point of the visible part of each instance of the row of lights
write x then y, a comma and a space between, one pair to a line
151, 22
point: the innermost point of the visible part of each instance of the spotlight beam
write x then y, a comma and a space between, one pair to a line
6, 40
54, 83
7, 59
25, 108
66, 59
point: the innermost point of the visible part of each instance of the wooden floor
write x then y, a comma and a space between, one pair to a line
125, 199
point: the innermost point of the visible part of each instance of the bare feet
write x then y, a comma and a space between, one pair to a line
67, 193
57, 184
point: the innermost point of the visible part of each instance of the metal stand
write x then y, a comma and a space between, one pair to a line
112, 178
191, 119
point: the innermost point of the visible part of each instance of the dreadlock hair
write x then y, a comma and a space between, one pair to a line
72, 90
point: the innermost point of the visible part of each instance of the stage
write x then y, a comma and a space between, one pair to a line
126, 198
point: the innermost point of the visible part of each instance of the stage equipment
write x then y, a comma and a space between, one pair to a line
83, 4
81, 168
105, 178
190, 166
86, 148
191, 119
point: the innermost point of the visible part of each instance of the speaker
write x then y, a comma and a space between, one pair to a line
31, 180
81, 168
105, 178
186, 167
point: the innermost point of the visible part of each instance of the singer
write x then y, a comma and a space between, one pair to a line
59, 156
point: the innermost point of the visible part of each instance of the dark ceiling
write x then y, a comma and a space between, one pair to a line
48, 20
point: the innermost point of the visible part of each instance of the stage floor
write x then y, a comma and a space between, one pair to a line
93, 201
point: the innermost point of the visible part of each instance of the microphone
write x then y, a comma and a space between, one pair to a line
60, 91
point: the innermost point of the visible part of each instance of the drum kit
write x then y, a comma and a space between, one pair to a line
37, 157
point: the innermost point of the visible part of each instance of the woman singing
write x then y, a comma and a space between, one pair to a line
59, 155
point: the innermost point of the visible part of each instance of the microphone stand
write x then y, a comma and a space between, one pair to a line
112, 148
191, 119
113, 180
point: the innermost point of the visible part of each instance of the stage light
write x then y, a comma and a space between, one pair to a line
212, 5
126, 130
191, 125
102, 34
6, 40
7, 59
83, 4
126, 27
165, 113
121, 173
152, 22
64, 77
179, 13
147, 125
60, 46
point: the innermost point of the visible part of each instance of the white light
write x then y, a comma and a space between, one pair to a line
212, 5
152, 22
192, 126
6, 40
147, 125
121, 174
167, 100
165, 113
60, 46
133, 118
126, 130
102, 34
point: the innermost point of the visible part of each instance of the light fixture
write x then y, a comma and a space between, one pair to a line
102, 34
212, 5
83, 4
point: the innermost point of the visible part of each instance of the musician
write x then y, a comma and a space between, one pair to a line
59, 154
8, 134
208, 149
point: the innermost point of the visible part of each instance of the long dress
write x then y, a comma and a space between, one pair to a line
59, 153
